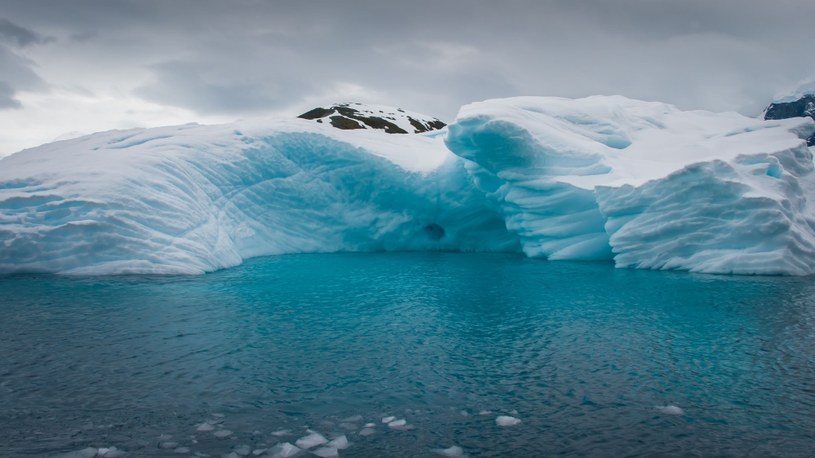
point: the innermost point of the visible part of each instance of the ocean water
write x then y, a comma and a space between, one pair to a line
585, 355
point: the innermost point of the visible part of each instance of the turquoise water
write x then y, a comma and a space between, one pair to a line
582, 353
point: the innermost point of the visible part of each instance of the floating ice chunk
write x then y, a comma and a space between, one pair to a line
397, 423
102, 451
327, 452
464, 413
370, 425
165, 437
284, 450
168, 444
484, 413
259, 451
115, 453
671, 410
89, 452
348, 426
312, 440
243, 450
506, 420
340, 443
281, 433
205, 427
182, 450
388, 419
366, 432
453, 452
222, 433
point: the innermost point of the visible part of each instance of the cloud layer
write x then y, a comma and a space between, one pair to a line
141, 62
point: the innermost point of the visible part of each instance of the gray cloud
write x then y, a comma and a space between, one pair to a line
7, 97
252, 56
17, 74
20, 36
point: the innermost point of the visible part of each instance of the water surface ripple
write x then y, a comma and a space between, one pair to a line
582, 353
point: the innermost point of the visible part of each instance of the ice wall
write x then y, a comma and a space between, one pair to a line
647, 184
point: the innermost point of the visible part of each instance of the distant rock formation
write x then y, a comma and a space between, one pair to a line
348, 116
802, 107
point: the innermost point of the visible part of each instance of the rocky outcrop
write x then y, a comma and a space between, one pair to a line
348, 116
802, 107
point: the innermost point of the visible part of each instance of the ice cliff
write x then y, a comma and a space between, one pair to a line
644, 184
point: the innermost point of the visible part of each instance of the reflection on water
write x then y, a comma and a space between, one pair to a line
582, 353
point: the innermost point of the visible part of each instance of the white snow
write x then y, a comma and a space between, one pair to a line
801, 89
608, 178
398, 116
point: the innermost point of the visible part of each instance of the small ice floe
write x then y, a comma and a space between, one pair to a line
257, 433
281, 433
339, 442
327, 452
312, 440
506, 420
348, 426
259, 451
452, 452
89, 452
284, 450
111, 452
671, 410
388, 419
222, 433
464, 413
205, 427
367, 432
370, 425
168, 445
397, 424
182, 450
484, 413
243, 450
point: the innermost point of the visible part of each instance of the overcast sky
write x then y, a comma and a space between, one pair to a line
82, 66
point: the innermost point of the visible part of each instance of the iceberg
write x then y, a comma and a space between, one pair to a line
644, 183
602, 178
192, 199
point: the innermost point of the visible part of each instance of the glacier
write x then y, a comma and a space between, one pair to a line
642, 184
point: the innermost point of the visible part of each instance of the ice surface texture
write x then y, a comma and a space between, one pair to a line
194, 199
644, 183
599, 178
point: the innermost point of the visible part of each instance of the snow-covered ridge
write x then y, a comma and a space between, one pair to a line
640, 183
350, 116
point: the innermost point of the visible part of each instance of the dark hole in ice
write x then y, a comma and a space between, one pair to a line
434, 231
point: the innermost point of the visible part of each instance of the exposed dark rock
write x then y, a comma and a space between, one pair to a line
341, 122
803, 107
360, 116
316, 113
